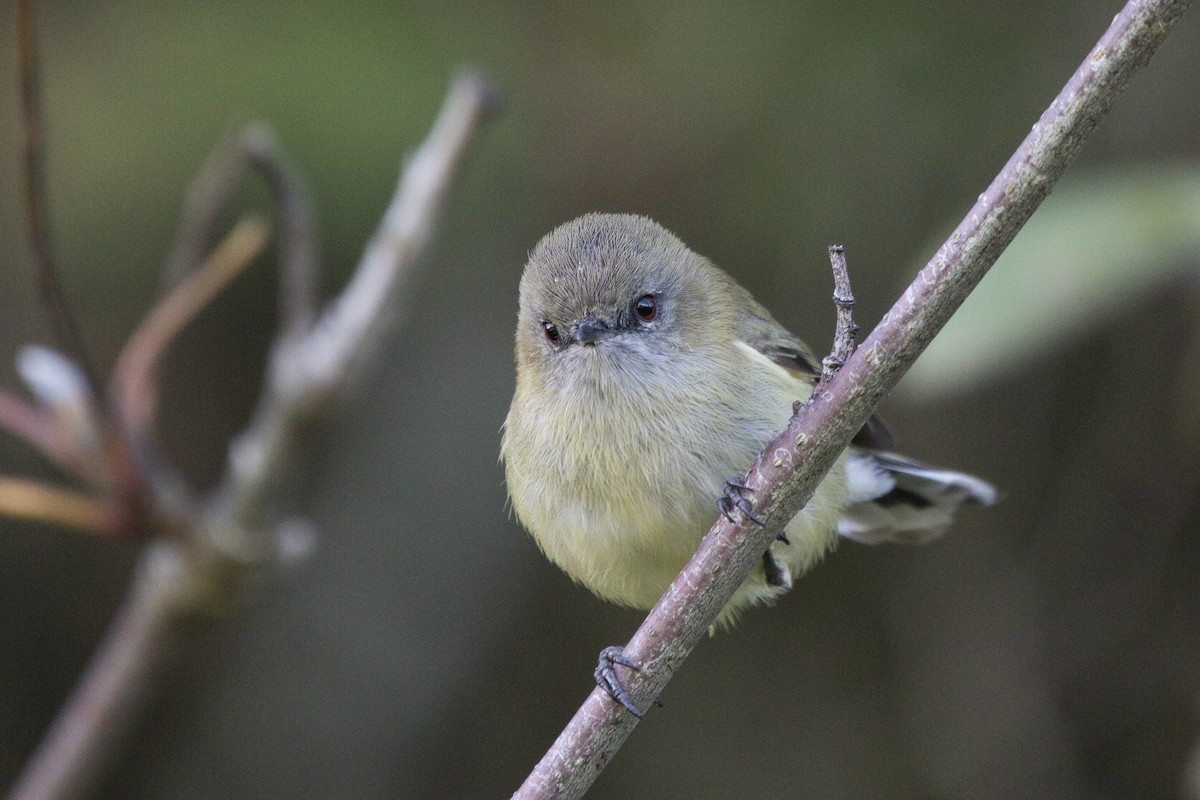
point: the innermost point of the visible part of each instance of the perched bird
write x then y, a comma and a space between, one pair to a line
646, 377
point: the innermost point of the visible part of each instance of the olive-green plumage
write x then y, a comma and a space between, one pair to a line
646, 377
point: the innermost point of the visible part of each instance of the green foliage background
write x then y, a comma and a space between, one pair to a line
1046, 648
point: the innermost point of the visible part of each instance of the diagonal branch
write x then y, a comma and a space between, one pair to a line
307, 377
811, 443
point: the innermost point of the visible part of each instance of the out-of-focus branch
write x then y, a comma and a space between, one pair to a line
57, 506
117, 457
135, 378
92, 728
208, 198
203, 563
39, 429
33, 152
298, 256
306, 377
792, 464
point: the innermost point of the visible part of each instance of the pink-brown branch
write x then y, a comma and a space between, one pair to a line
792, 464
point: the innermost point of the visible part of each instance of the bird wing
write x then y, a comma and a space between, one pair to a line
762, 332
893, 498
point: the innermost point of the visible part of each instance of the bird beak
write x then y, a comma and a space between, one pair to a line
592, 330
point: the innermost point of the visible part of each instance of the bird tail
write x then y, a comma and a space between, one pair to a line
897, 499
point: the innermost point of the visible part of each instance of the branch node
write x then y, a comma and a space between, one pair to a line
847, 328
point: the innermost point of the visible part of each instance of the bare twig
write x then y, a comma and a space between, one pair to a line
93, 726
306, 378
62, 323
135, 376
791, 466
121, 474
58, 506
210, 564
298, 249
38, 428
209, 196
64, 395
847, 328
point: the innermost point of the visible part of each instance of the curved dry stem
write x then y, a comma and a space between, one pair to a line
209, 196
62, 323
793, 463
297, 244
135, 377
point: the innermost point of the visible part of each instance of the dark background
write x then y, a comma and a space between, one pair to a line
1045, 648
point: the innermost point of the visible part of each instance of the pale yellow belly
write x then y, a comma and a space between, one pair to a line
619, 493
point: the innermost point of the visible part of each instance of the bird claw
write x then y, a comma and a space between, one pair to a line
606, 677
733, 499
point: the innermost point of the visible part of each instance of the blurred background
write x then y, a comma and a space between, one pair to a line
1045, 648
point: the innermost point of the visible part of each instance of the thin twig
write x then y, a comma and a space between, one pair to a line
135, 378
847, 328
305, 379
208, 567
794, 462
209, 196
119, 464
39, 429
93, 726
298, 249
56, 505
62, 323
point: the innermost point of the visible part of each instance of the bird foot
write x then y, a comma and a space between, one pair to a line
733, 499
606, 678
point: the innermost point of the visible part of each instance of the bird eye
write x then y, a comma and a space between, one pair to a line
551, 331
646, 308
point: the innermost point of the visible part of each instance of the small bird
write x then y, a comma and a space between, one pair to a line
646, 377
